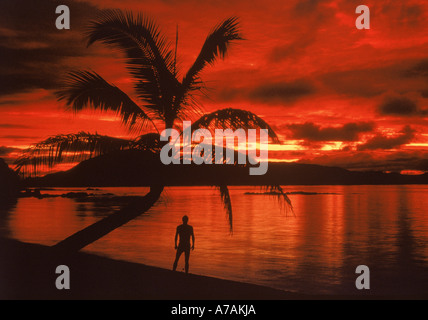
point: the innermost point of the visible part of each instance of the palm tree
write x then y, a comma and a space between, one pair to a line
162, 96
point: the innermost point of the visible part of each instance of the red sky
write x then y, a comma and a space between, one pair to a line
336, 95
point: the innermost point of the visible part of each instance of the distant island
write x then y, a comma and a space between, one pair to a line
136, 168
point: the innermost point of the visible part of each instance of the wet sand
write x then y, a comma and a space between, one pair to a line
27, 271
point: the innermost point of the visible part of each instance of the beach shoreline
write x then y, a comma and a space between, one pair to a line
27, 272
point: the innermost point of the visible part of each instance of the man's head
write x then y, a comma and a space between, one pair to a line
185, 219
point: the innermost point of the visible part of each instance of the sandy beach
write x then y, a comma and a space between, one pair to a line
27, 271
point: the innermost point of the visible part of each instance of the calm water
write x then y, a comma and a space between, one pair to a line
334, 229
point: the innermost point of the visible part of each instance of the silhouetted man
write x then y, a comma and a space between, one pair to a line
185, 232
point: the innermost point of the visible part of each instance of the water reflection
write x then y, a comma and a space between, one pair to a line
6, 207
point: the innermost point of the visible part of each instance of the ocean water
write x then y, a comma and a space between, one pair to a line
315, 249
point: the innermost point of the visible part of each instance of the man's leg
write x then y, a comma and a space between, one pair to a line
186, 257
177, 257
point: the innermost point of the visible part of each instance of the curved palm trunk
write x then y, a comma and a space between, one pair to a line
100, 228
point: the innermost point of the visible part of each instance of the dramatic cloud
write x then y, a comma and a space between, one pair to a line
353, 83
304, 68
269, 93
312, 132
419, 70
380, 141
401, 106
33, 51
282, 92
6, 150
9, 154
304, 34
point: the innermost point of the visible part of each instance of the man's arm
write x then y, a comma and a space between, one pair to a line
175, 241
193, 240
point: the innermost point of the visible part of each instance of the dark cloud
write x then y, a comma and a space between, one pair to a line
305, 7
14, 126
401, 106
282, 91
420, 164
278, 92
380, 141
420, 69
7, 154
293, 49
305, 33
4, 151
378, 80
17, 137
357, 83
405, 14
414, 13
311, 132
33, 51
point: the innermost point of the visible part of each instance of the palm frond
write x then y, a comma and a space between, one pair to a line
274, 190
234, 119
86, 89
66, 147
149, 57
282, 197
225, 197
215, 46
150, 142
190, 109
138, 36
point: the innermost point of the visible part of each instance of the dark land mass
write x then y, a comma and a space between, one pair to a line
9, 181
136, 168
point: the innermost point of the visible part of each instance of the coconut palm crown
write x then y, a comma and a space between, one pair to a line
161, 95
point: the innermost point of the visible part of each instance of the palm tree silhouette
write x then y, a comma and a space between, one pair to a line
164, 99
